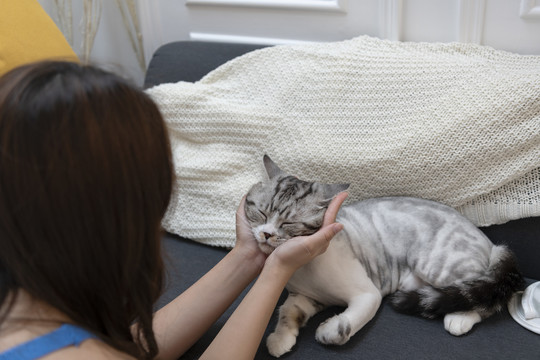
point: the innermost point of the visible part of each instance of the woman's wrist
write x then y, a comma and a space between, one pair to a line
251, 261
277, 269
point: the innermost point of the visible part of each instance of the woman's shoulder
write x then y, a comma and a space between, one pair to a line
34, 329
89, 349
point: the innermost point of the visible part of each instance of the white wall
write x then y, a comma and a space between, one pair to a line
512, 25
497, 23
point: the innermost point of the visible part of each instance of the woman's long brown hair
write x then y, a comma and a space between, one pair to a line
85, 178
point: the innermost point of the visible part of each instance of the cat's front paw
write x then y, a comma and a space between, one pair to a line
460, 323
280, 343
334, 331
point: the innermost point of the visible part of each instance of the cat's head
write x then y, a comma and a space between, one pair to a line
283, 206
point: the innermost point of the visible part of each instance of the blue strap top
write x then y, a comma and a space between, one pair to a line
66, 335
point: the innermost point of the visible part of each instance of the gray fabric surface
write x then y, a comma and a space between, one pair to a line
389, 335
190, 61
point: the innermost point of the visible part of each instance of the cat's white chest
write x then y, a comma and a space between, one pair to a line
332, 278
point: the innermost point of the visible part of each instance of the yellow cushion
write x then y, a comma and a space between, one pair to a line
28, 34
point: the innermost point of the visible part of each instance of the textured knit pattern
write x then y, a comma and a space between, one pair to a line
455, 123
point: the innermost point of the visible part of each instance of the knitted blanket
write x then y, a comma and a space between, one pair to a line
455, 123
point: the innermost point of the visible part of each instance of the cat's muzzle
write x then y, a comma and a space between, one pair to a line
268, 242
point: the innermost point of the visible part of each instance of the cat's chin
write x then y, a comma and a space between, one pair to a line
265, 248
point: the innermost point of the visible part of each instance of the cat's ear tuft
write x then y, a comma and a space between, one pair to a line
331, 190
271, 168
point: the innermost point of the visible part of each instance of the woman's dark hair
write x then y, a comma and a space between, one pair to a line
85, 179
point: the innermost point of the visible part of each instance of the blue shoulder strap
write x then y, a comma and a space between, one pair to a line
66, 335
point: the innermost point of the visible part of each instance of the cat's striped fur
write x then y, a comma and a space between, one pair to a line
433, 261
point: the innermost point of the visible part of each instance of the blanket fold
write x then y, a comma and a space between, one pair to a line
456, 123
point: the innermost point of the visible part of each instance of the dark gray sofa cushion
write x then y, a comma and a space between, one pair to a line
190, 61
389, 335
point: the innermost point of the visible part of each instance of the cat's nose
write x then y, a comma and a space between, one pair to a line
267, 235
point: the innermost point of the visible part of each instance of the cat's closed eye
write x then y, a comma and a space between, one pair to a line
263, 215
297, 229
255, 215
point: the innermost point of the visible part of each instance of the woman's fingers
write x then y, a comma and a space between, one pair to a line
333, 208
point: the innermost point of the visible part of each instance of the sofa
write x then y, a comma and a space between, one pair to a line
390, 335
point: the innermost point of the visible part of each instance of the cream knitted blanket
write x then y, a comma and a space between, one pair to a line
456, 123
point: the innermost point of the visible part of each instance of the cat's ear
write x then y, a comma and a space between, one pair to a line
331, 190
271, 168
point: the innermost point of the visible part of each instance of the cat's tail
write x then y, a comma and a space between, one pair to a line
487, 294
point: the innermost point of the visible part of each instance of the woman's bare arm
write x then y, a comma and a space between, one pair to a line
179, 324
242, 334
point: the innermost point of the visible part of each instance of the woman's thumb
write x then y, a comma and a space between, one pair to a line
329, 231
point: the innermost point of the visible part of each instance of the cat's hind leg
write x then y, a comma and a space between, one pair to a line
360, 310
293, 314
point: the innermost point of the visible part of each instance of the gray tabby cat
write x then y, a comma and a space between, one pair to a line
433, 260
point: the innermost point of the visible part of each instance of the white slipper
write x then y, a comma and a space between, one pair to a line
525, 307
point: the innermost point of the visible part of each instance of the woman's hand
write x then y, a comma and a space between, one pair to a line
298, 251
241, 335
246, 244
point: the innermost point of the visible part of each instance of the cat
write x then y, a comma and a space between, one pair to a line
430, 259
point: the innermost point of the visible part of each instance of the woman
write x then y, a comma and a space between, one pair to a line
85, 178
